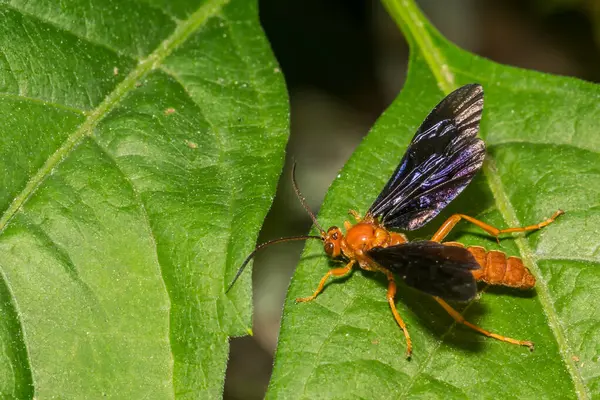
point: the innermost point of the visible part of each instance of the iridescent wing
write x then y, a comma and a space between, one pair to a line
443, 157
431, 267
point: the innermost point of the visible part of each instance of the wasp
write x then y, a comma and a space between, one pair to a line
441, 160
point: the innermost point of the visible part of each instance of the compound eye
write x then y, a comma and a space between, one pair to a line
329, 248
334, 232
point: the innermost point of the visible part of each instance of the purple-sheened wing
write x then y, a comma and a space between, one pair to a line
431, 267
443, 157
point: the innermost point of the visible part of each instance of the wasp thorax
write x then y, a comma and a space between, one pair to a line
333, 241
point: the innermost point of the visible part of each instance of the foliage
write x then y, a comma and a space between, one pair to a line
543, 147
141, 143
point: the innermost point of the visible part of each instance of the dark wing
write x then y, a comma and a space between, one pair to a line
439, 163
431, 267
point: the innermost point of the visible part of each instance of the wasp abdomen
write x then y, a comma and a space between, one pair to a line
497, 269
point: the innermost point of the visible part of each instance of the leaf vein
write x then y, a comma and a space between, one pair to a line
223, 165
439, 343
14, 306
556, 145
181, 33
333, 327
150, 231
526, 87
506, 209
43, 102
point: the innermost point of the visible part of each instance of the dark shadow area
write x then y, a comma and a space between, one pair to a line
246, 369
433, 317
512, 292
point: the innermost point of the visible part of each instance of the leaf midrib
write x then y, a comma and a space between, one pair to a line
412, 23
181, 33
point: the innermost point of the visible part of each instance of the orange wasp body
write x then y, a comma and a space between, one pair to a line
441, 160
367, 234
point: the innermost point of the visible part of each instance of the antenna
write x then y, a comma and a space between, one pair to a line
303, 201
262, 246
285, 239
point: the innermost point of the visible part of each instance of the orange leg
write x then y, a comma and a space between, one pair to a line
460, 319
356, 215
332, 272
391, 293
453, 220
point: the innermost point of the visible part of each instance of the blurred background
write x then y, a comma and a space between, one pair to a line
344, 61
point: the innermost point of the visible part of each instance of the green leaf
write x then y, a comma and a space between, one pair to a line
141, 145
543, 144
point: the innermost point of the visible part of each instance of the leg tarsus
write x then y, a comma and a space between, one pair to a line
451, 222
460, 319
337, 272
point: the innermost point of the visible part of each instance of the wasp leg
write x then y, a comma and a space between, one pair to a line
356, 215
453, 220
347, 225
332, 272
391, 293
460, 319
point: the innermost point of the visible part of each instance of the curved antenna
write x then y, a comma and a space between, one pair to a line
303, 201
262, 246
